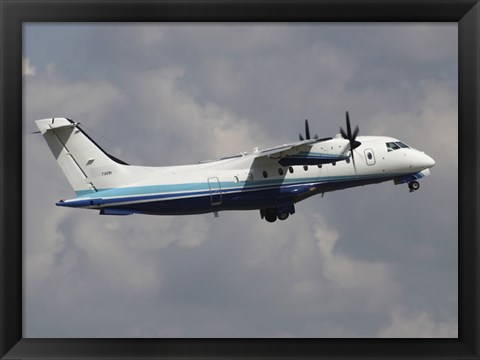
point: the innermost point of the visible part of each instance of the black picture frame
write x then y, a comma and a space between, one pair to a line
13, 13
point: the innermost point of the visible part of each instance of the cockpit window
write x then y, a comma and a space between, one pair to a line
402, 145
396, 145
392, 146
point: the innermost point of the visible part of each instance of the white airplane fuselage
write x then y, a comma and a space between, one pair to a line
266, 180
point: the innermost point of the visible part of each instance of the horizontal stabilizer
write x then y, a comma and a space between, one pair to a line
45, 125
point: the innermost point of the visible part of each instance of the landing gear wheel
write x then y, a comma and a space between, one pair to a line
283, 216
414, 185
270, 217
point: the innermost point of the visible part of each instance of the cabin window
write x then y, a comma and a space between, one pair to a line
305, 167
334, 163
290, 169
319, 166
369, 156
347, 160
280, 171
265, 174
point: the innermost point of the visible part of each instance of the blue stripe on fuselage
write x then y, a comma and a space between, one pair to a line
249, 191
189, 187
162, 192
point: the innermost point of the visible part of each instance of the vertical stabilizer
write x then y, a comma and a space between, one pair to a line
87, 167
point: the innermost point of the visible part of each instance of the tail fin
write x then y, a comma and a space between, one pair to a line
87, 167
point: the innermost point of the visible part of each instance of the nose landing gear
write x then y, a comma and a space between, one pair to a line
413, 186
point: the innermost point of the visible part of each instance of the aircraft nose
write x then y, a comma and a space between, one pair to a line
429, 162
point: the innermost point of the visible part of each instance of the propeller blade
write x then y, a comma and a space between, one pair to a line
348, 135
307, 130
353, 161
355, 132
349, 130
307, 133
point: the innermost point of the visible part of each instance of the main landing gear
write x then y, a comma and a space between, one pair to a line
413, 186
281, 213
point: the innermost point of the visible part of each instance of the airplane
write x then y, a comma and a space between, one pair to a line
271, 180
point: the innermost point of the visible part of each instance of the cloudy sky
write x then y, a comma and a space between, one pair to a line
375, 261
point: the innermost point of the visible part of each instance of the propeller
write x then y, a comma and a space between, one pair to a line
307, 133
348, 135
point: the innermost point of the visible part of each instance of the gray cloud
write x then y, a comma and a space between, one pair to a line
418, 325
365, 262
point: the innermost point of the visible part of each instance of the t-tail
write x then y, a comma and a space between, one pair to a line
86, 165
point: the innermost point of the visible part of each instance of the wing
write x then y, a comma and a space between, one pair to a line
301, 153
